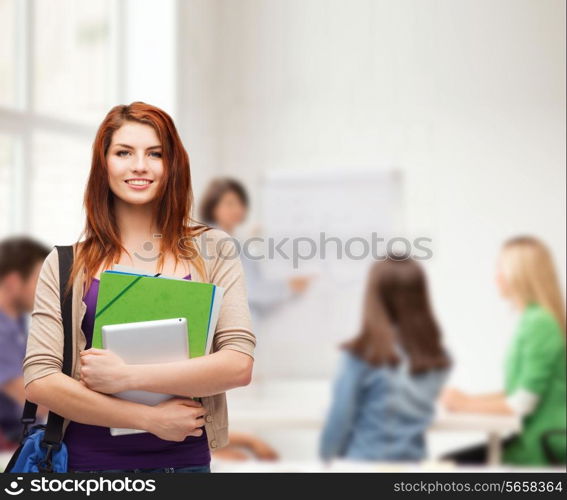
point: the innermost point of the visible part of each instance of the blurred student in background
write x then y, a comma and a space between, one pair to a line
21, 259
391, 373
225, 206
535, 364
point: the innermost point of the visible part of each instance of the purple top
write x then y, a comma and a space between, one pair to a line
91, 447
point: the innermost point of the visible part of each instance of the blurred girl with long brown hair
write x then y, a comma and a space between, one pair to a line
138, 203
534, 382
391, 373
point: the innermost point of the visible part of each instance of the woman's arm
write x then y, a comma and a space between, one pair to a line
240, 441
495, 403
479, 404
172, 420
492, 396
103, 371
540, 344
264, 294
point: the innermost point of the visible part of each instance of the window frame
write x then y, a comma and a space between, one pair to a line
22, 121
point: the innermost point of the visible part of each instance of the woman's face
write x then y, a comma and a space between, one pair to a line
229, 212
135, 166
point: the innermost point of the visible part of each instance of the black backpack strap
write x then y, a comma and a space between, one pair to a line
54, 428
28, 415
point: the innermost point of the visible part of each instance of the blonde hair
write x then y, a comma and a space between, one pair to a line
528, 267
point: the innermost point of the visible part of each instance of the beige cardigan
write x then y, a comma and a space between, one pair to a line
44, 354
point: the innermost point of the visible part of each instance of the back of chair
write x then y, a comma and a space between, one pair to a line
554, 444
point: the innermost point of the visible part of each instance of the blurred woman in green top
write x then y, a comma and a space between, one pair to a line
534, 385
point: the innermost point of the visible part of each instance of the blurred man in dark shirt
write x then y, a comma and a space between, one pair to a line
21, 259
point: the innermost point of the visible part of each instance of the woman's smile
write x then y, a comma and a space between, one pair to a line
139, 184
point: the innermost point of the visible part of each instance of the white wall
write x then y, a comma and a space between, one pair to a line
148, 62
466, 95
197, 32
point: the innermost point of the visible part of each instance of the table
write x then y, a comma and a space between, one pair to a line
262, 414
495, 426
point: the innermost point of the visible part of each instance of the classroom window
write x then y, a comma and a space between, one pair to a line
73, 47
8, 57
63, 65
7, 169
58, 78
61, 166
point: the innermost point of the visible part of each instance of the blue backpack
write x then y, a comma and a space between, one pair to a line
37, 455
41, 447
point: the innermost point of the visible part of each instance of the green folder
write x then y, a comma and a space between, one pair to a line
127, 298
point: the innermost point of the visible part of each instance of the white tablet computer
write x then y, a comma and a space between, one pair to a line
146, 342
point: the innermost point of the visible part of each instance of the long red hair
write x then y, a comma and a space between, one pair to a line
102, 243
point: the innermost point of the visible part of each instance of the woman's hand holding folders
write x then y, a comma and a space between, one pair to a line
172, 420
177, 418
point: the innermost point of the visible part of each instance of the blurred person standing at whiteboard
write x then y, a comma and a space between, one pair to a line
225, 205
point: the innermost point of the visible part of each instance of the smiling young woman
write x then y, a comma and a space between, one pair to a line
139, 194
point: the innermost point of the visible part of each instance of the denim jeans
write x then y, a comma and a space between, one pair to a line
170, 470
